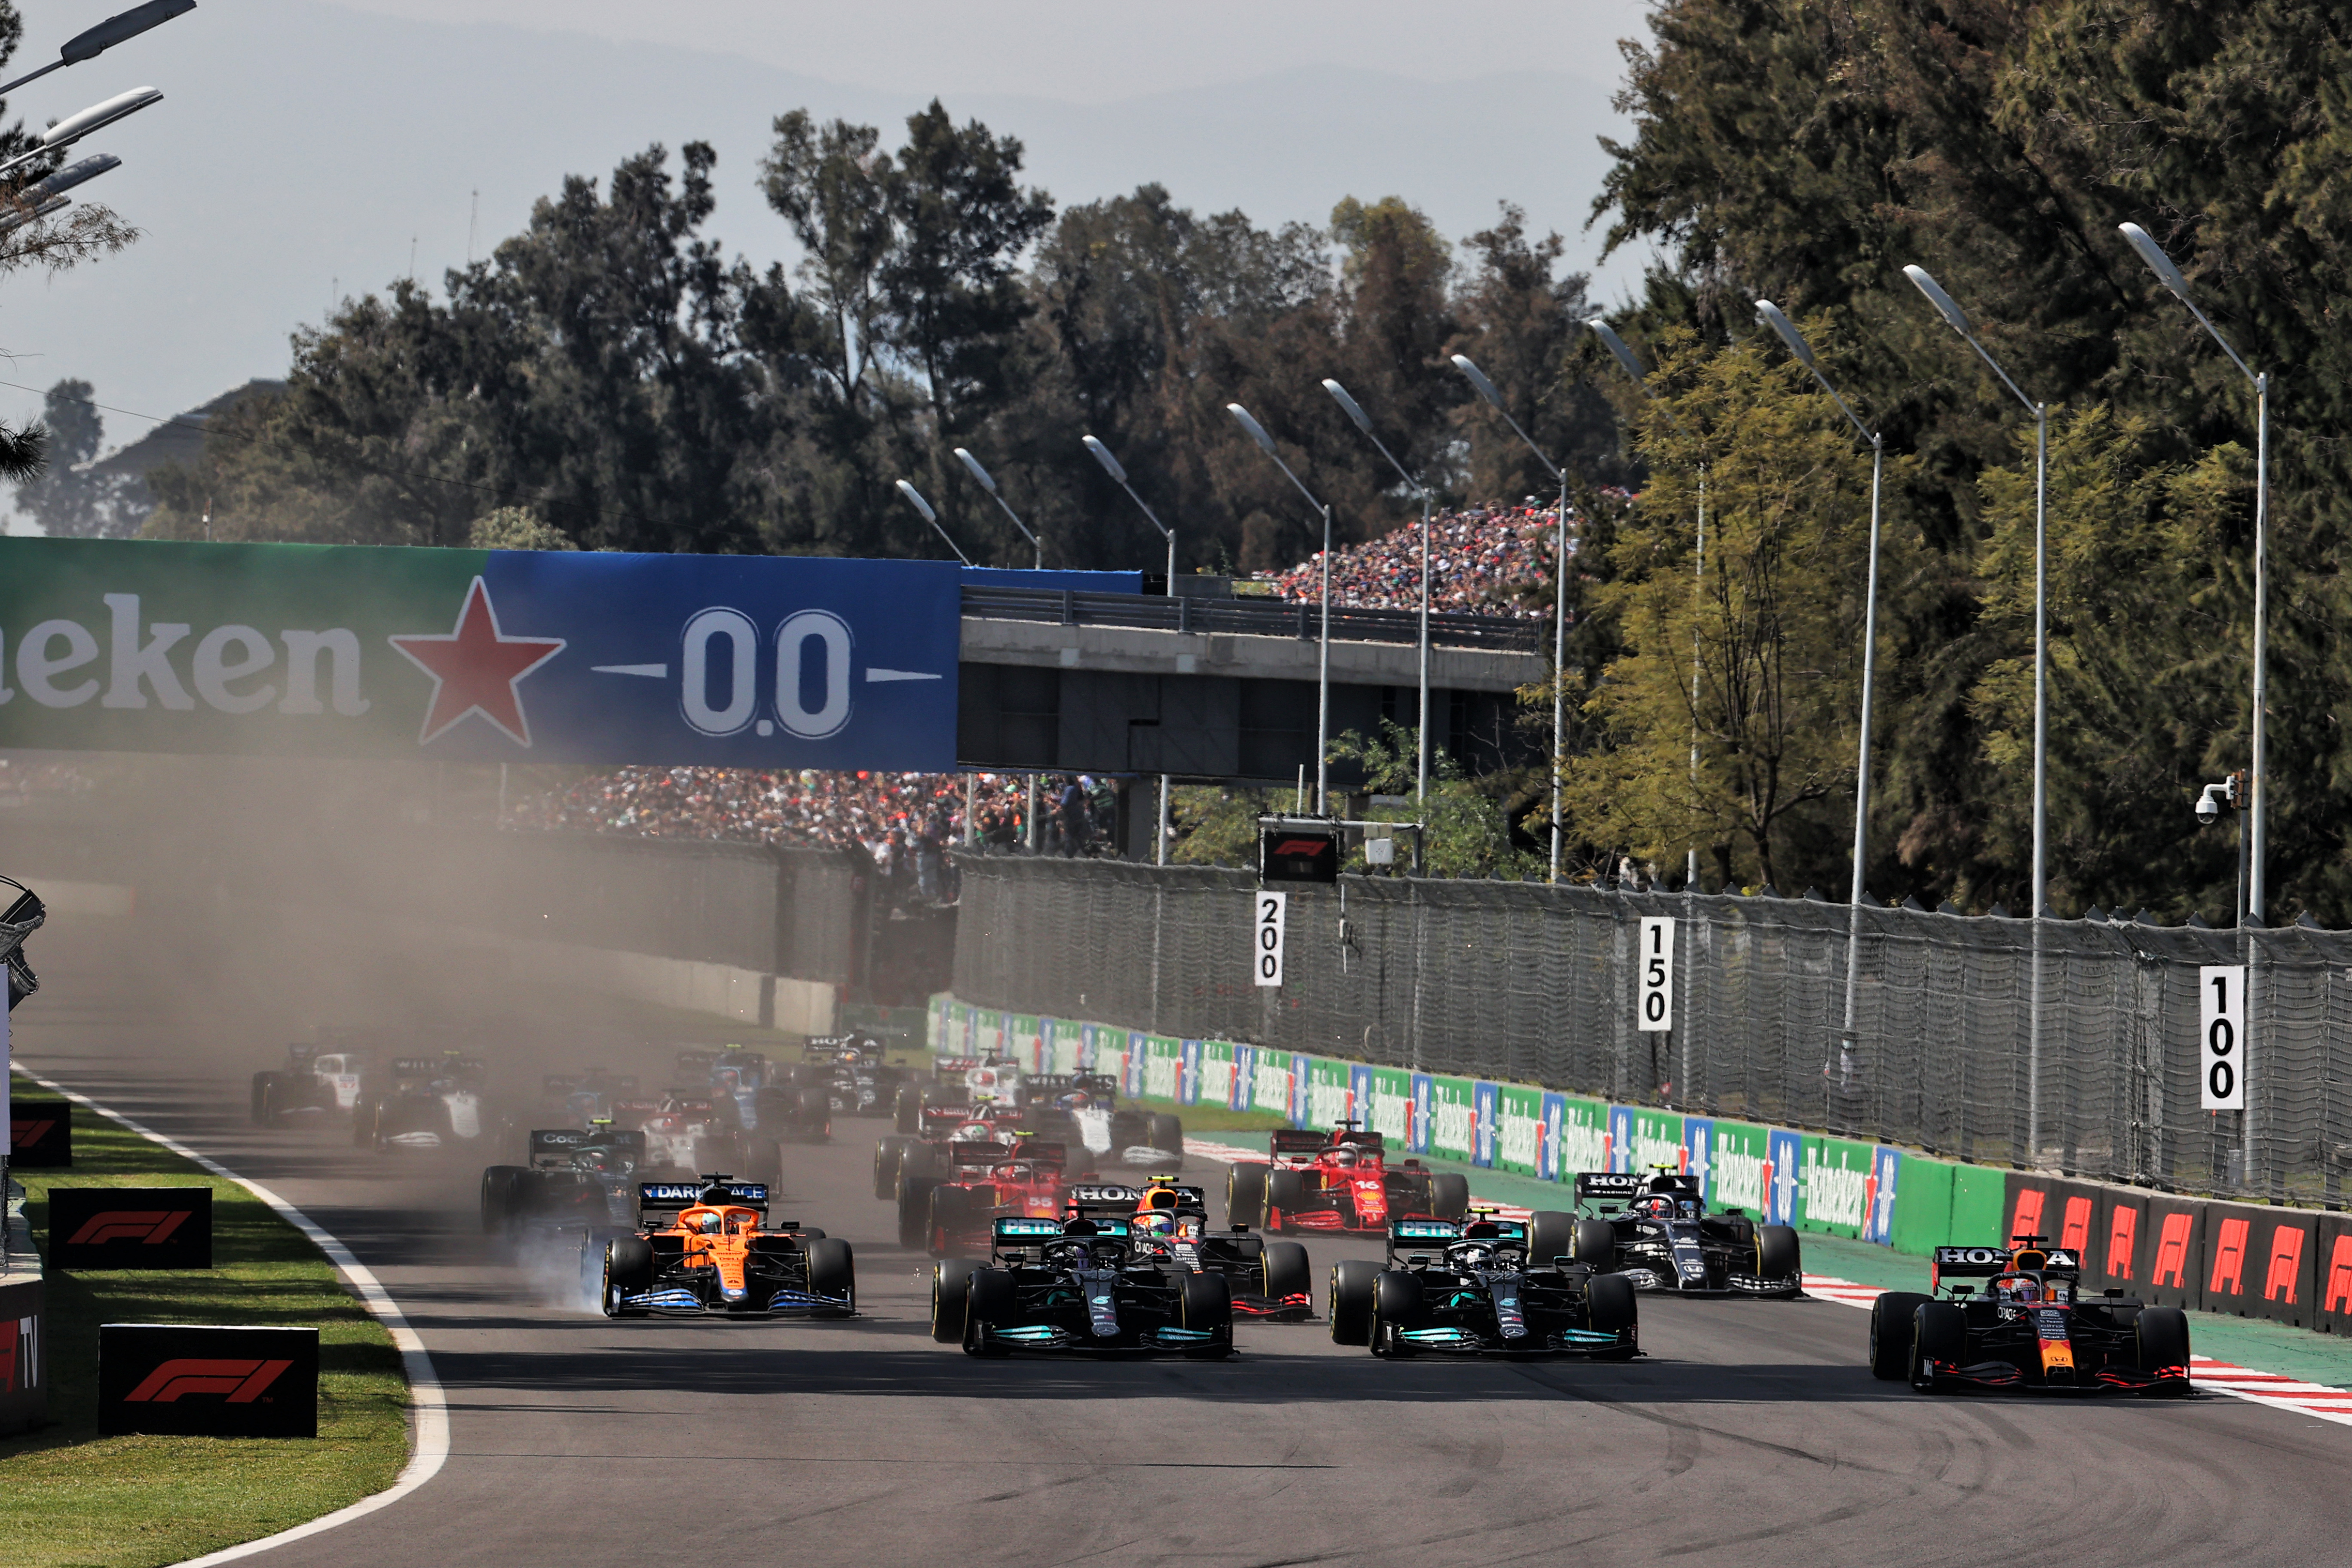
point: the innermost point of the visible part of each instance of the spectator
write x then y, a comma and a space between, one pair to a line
1479, 561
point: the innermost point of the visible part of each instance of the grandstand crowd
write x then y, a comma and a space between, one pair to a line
1480, 562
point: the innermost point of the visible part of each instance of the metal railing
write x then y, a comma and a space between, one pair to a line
1250, 617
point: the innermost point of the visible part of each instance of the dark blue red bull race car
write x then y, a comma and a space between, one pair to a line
2029, 1325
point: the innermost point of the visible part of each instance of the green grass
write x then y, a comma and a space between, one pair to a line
1217, 1119
70, 1497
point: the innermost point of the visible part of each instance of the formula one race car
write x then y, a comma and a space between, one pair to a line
687, 1129
1655, 1231
1170, 1224
980, 1182
760, 1102
1081, 1111
429, 1102
575, 1177
853, 1073
2030, 1327
1339, 1182
583, 1099
1077, 1284
321, 1079
706, 1246
960, 1083
1484, 1286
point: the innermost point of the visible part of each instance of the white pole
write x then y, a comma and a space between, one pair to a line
1699, 573
1421, 790
1861, 750
1558, 661
1159, 855
1323, 685
2038, 895
2255, 884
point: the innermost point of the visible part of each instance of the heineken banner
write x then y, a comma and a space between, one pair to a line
479, 655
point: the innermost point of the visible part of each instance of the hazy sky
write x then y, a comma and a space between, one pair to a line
304, 148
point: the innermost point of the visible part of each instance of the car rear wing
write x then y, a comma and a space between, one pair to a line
947, 1115
555, 1146
978, 1151
1042, 1086
696, 1060
1622, 1188
414, 1067
659, 1203
1984, 1262
558, 1083
1297, 1140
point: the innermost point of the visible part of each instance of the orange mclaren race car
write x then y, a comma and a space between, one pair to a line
1339, 1182
2030, 1326
706, 1246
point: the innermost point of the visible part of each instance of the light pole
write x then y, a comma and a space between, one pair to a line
74, 127
1770, 315
1948, 308
1118, 472
1323, 671
1560, 595
2257, 826
92, 42
972, 464
1633, 367
1364, 422
915, 499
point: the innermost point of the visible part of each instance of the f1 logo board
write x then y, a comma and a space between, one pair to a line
188, 1380
130, 1227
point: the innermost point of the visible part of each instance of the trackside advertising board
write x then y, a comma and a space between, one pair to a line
1329, 1093
1736, 1155
1384, 1101
1519, 1129
479, 655
1448, 1110
1066, 1047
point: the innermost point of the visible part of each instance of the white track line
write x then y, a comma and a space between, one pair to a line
428, 1400
2276, 1390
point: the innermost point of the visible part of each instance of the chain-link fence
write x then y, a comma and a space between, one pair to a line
1536, 984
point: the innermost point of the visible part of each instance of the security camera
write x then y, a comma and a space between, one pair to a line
2208, 810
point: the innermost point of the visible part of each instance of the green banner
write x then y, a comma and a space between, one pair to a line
1737, 1178
1024, 1035
1270, 1081
1583, 1140
1835, 1186
1219, 1069
1327, 1093
987, 1033
1390, 1112
1452, 1117
1163, 1067
1923, 1206
1066, 1045
1979, 1208
1658, 1140
1518, 1128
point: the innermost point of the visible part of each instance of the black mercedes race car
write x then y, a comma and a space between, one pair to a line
706, 1246
1169, 1224
575, 1177
1077, 1285
1655, 1231
2030, 1326
1484, 1286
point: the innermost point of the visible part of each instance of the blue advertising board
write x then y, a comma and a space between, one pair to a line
1784, 1169
1698, 1153
1486, 1115
1878, 1217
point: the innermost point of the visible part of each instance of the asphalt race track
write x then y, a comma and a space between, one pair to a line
1749, 1433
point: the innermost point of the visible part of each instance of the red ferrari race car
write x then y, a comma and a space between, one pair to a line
984, 1182
1342, 1182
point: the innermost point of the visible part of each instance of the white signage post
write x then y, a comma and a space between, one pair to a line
1654, 1002
1265, 936
2222, 1037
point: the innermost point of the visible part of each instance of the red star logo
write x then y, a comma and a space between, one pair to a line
475, 669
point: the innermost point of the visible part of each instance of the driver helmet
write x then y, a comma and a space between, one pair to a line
1344, 1157
1655, 1205
703, 1224
2021, 1287
1155, 1222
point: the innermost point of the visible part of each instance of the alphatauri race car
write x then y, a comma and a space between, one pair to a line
1169, 1224
2030, 1326
853, 1072
1077, 1285
429, 1102
706, 1246
1655, 1231
1341, 1183
1485, 1287
576, 1178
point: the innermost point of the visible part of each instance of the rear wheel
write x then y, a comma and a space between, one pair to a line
1611, 1309
1245, 1196
950, 1290
263, 1083
1168, 1133
990, 1300
832, 1271
2163, 1336
1551, 1237
1939, 1331
1596, 1243
1449, 1196
628, 1271
1777, 1256
950, 1211
915, 1210
1890, 1333
1284, 1191
365, 1116
1350, 1306
815, 1115
501, 1194
1205, 1302
888, 1156
1287, 1271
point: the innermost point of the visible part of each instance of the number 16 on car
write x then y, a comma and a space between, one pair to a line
2222, 1037
1654, 1005
1265, 937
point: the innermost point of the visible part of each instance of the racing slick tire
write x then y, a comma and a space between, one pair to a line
2163, 1335
1168, 1133
263, 1083
1449, 1196
889, 1155
1777, 1255
832, 1271
1611, 1307
1245, 1196
502, 1188
1205, 1302
1939, 1331
1350, 1306
951, 1290
914, 1210
1891, 1319
1596, 1244
365, 1115
628, 1268
1397, 1305
1287, 1271
1285, 1191
1551, 1236
907, 1110
989, 1300
816, 1115
950, 1207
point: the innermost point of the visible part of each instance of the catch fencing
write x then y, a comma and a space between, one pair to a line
1531, 983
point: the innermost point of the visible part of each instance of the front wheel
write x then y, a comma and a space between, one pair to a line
832, 1271
1349, 1303
1287, 1273
1449, 1196
628, 1271
1777, 1256
950, 1296
888, 1156
2162, 1334
1890, 1333
990, 1299
1611, 1309
502, 1193
1939, 1333
1245, 1196
1205, 1302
